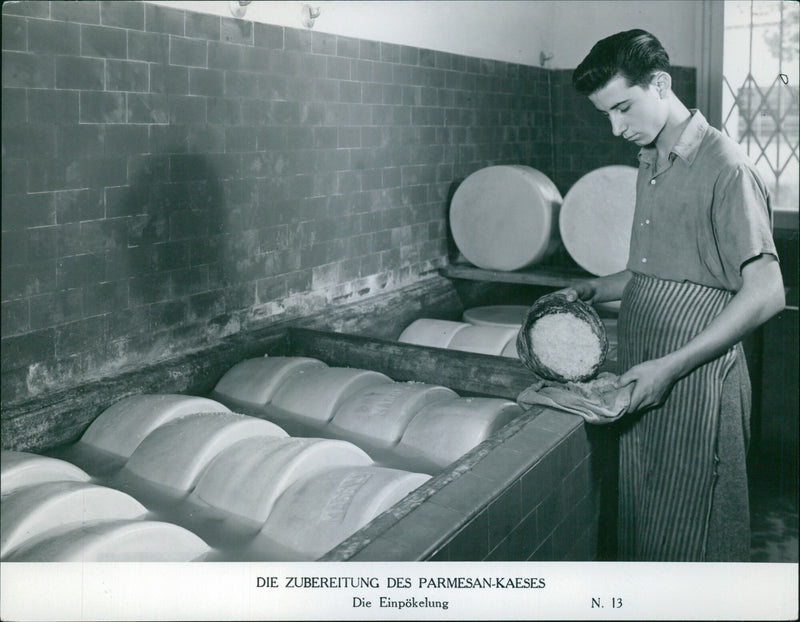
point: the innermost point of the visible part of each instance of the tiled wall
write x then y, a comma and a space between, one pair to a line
170, 177
549, 513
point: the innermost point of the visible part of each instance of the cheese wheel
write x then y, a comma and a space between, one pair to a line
19, 469
116, 541
255, 381
483, 339
611, 334
505, 217
608, 309
511, 348
36, 510
431, 332
381, 413
507, 316
445, 430
174, 455
315, 394
596, 219
248, 477
611, 329
317, 513
125, 424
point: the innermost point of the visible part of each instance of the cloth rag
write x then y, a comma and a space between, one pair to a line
598, 401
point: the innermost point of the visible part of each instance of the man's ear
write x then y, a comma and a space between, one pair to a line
663, 83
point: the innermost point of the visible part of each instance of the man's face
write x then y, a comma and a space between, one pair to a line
637, 114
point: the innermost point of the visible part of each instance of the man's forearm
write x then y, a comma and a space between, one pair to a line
610, 287
760, 298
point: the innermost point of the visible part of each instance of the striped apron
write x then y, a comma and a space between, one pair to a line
670, 467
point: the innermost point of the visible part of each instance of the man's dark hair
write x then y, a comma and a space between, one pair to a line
632, 54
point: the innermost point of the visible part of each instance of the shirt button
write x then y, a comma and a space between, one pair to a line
652, 182
647, 222
644, 259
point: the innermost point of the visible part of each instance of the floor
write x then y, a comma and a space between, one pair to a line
773, 514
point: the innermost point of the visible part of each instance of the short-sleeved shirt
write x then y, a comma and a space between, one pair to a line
702, 217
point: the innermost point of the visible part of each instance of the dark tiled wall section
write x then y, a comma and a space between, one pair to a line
170, 177
559, 509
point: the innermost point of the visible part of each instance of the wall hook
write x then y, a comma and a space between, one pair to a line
543, 58
238, 7
309, 14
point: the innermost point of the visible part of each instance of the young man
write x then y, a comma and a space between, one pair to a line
702, 273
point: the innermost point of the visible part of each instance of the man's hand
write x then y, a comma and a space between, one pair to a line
584, 290
653, 382
760, 297
600, 289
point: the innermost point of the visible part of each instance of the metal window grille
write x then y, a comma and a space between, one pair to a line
760, 91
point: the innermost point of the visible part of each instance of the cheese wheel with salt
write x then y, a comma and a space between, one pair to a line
35, 510
248, 477
381, 413
253, 382
120, 428
116, 541
445, 430
314, 394
19, 469
172, 458
317, 513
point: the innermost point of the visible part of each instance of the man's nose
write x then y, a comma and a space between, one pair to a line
616, 125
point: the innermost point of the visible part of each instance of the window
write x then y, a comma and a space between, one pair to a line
760, 92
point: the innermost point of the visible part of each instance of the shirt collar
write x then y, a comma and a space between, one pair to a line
688, 142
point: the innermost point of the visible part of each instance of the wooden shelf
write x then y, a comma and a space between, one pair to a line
550, 277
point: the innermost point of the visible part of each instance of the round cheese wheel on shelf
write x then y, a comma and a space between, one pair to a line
505, 217
483, 339
431, 332
511, 348
611, 333
611, 328
607, 309
596, 218
507, 316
